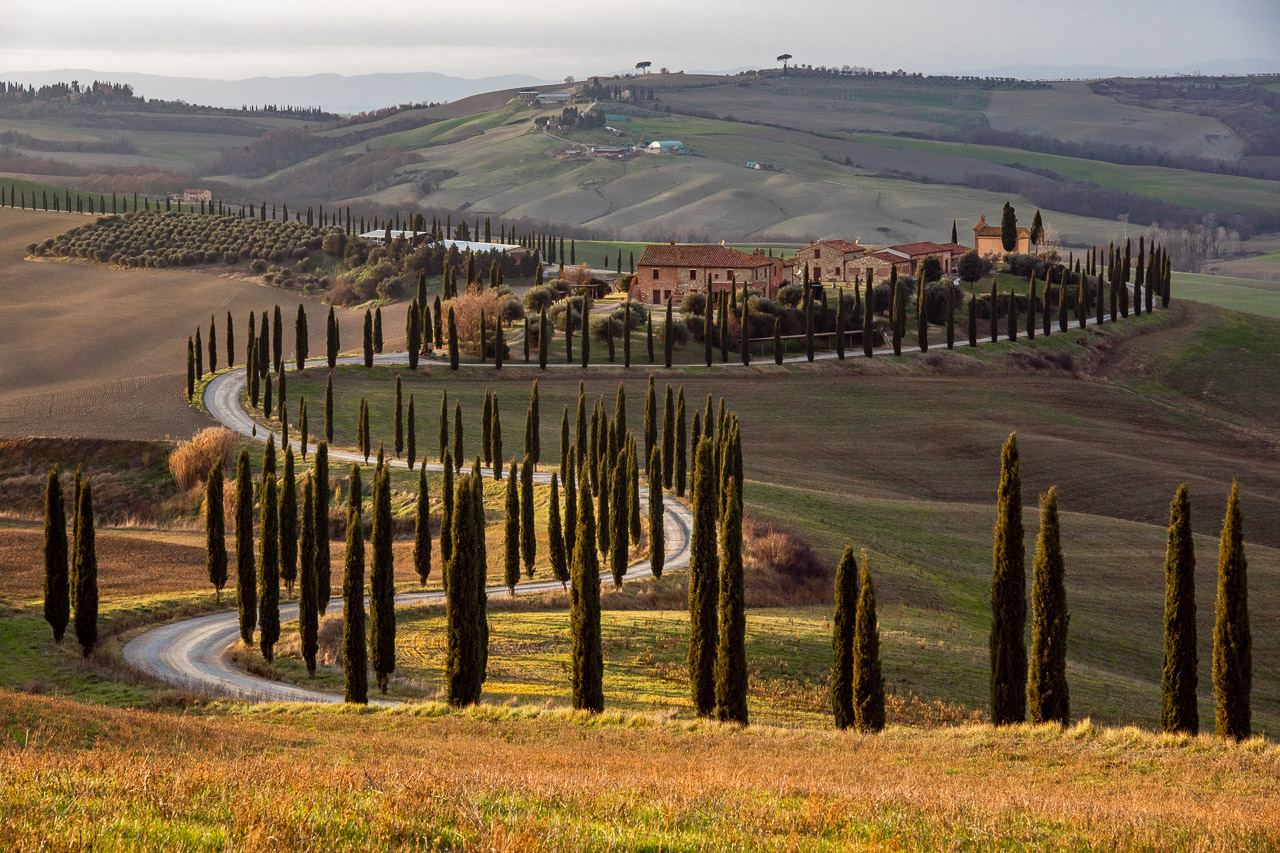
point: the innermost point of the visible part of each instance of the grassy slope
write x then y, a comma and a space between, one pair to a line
1239, 294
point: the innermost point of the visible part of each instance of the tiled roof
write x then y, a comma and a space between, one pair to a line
994, 231
925, 247
892, 256
842, 245
700, 256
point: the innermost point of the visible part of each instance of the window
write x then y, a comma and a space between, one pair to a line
655, 272
817, 254
693, 275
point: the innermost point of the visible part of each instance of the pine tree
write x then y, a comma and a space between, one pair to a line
1232, 643
1048, 698
868, 682
246, 583
842, 641
355, 661
1008, 596
587, 679
528, 535
84, 570
321, 474
308, 606
382, 584
466, 637
1178, 712
703, 582
288, 518
399, 418
731, 652
269, 570
57, 579
657, 538
555, 536
679, 472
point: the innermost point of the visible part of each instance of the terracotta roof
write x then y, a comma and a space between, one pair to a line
891, 255
915, 250
995, 231
841, 245
956, 248
720, 257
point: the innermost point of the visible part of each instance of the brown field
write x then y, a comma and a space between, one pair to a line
96, 352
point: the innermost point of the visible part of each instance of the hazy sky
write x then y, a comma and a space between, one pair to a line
233, 39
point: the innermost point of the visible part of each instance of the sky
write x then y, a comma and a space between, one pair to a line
236, 39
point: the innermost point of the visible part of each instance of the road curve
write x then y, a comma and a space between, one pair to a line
195, 654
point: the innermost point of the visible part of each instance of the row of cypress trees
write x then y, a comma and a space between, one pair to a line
70, 577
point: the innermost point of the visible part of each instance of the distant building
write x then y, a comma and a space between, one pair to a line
987, 240
666, 146
906, 257
829, 260
191, 197
674, 270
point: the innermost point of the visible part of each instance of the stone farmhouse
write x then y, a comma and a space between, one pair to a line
842, 261
986, 239
674, 270
830, 260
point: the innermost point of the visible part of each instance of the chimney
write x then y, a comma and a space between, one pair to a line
673, 242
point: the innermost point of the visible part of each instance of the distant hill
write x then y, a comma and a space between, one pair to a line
331, 92
1214, 67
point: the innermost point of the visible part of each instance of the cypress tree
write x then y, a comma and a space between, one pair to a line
399, 416
231, 342
1008, 596
703, 582
731, 652
580, 434
302, 427
808, 329
868, 682
246, 583
619, 526
1178, 712
544, 335
365, 439
438, 324
744, 329
973, 322
368, 338
499, 344
57, 588
707, 331
868, 318
411, 435
422, 530
321, 475
533, 440
1232, 643
382, 584
444, 423
277, 340
288, 523
626, 333
564, 440
328, 408
1031, 309
511, 528
681, 464
355, 662
922, 319
657, 538
466, 629
486, 429
633, 489
897, 310
668, 343
308, 608
620, 415
555, 536
570, 509
191, 369
269, 570
604, 483
85, 571
300, 336
453, 341
995, 314
587, 679
377, 331
446, 515
842, 641
457, 435
1046, 322
651, 416
264, 346
495, 438
199, 354
266, 399
586, 331
1008, 228
528, 535
649, 334
724, 326
1048, 699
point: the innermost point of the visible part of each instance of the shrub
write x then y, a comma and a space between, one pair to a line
639, 315
679, 331
542, 296
258, 265
791, 295
785, 554
469, 307
1024, 265
693, 305
600, 327
568, 310
334, 243
191, 460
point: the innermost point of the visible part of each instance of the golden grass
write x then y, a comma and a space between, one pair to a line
191, 461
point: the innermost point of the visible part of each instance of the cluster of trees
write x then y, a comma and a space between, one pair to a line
1036, 688
595, 90
70, 577
19, 98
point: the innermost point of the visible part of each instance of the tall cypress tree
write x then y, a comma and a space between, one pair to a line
587, 678
1232, 642
300, 336
302, 427
868, 682
368, 338
544, 338
533, 439
444, 424
1048, 699
555, 536
570, 509
382, 584
528, 535
668, 440
85, 571
199, 354
844, 623
191, 369
1012, 326
321, 474
511, 530
246, 583
668, 340
651, 416
922, 318
57, 587
377, 329
446, 515
586, 331
411, 435
422, 530
277, 340
328, 408
973, 321
1031, 309
269, 569
731, 651
231, 341
657, 538
355, 661
466, 632
1008, 596
619, 522
288, 523
868, 318
678, 474
308, 605
495, 438
633, 489
703, 582
399, 418
1178, 681
951, 316
453, 341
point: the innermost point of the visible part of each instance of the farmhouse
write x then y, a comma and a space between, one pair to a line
987, 242
946, 253
666, 146
830, 260
191, 196
672, 271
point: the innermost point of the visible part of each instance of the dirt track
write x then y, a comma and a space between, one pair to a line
92, 351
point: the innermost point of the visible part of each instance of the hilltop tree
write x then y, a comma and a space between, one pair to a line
1008, 596
868, 682
57, 588
1047, 694
1232, 643
382, 584
1037, 230
308, 594
1178, 712
269, 570
466, 628
84, 571
842, 641
731, 653
587, 679
355, 660
246, 583
1008, 228
321, 475
703, 582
